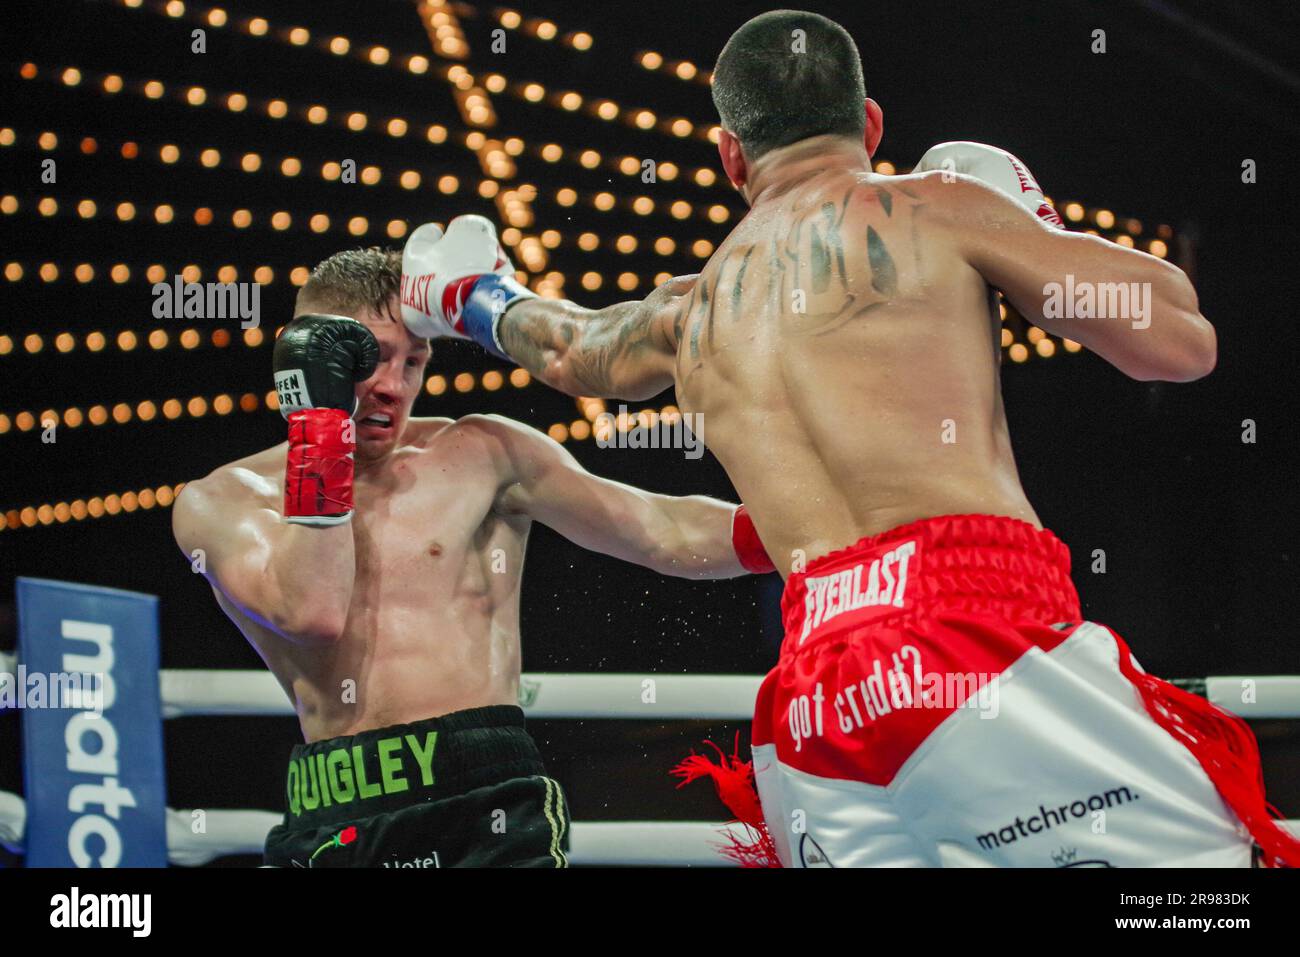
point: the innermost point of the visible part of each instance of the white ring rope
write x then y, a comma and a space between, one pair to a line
543, 695
203, 691
226, 832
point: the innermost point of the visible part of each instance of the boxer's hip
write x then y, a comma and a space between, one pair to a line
885, 638
465, 788
936, 689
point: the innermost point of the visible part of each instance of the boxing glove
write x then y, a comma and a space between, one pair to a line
317, 361
993, 167
459, 283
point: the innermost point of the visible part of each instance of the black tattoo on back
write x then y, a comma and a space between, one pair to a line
740, 278
884, 275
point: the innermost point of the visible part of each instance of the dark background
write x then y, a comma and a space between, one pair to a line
1198, 527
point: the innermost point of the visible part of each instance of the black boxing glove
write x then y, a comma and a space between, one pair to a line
318, 360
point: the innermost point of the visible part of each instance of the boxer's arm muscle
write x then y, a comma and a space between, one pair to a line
688, 537
295, 579
624, 351
1164, 336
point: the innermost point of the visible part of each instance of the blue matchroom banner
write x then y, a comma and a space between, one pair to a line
92, 759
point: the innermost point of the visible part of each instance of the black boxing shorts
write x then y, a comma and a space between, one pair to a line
467, 789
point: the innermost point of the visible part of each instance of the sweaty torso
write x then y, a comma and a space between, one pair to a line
433, 624
845, 360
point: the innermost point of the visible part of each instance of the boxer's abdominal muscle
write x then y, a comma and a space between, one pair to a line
433, 625
845, 361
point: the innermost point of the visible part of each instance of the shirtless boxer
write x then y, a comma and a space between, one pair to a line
386, 602
843, 346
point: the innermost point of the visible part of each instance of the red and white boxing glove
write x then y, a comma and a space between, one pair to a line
458, 284
993, 167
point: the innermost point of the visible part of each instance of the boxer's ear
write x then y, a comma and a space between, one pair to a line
875, 126
733, 158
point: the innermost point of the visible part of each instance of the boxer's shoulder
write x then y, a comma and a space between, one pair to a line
206, 507
505, 441
466, 440
949, 193
420, 432
252, 478
490, 426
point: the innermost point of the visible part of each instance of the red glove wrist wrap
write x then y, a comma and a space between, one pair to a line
318, 471
749, 548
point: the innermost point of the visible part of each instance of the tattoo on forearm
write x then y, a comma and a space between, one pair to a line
593, 346
526, 337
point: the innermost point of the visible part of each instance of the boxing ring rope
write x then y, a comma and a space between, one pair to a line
209, 692
206, 692
187, 693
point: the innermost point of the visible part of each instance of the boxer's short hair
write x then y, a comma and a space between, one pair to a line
773, 87
354, 279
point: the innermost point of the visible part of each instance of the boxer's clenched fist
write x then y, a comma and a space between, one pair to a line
459, 283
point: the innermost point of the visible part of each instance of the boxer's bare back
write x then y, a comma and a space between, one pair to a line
843, 343
834, 324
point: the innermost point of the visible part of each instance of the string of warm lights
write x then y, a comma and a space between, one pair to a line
96, 507
450, 45
638, 118
169, 154
542, 29
224, 404
128, 341
123, 412
166, 214
121, 273
683, 70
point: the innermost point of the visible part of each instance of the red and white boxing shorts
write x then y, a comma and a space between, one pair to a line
938, 702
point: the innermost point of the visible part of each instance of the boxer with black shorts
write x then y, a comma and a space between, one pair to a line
374, 563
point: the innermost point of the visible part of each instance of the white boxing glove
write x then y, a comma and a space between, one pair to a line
993, 167
458, 284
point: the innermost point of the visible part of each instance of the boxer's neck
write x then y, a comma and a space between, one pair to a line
777, 171
371, 469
